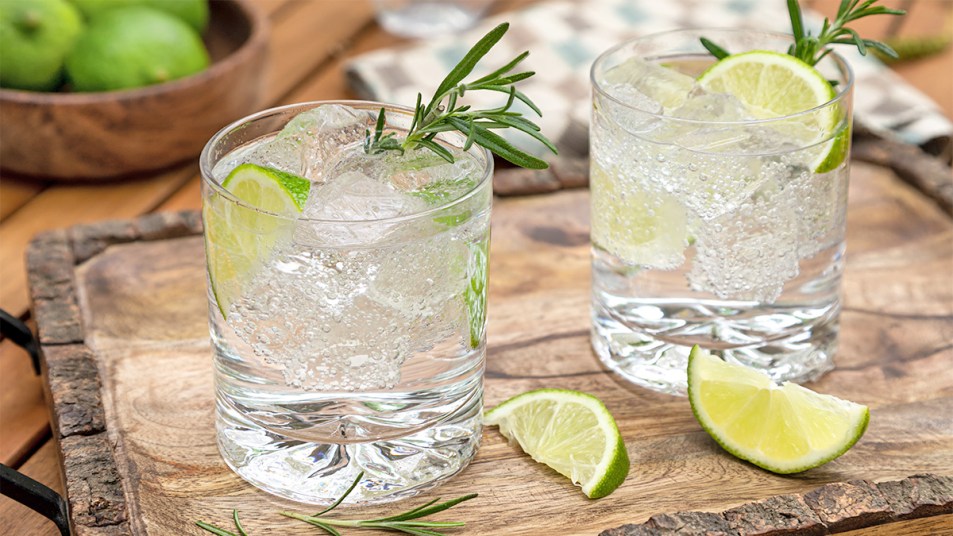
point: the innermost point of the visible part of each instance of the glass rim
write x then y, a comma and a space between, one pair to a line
206, 165
840, 94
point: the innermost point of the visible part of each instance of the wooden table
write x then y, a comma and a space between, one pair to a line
307, 54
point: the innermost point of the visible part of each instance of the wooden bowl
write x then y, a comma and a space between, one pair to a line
93, 136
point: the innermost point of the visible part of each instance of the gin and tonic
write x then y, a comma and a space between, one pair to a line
718, 205
347, 296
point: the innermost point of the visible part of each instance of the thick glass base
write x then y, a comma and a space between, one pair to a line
319, 473
801, 352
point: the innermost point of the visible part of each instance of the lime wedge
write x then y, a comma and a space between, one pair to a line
569, 431
782, 428
239, 237
774, 85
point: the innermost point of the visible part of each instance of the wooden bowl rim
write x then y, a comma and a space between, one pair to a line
258, 38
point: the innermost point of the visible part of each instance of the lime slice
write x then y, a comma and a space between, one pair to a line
773, 85
238, 238
569, 431
475, 295
782, 428
641, 227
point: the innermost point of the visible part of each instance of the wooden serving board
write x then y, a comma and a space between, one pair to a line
121, 312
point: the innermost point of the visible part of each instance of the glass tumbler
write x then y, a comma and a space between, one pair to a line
714, 224
346, 346
427, 18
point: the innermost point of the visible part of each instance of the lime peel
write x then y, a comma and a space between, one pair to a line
775, 85
571, 432
782, 428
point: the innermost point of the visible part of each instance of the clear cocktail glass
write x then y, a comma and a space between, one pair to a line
347, 327
712, 223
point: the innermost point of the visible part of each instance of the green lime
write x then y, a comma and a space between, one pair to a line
569, 431
782, 428
35, 36
238, 238
771, 85
193, 12
133, 47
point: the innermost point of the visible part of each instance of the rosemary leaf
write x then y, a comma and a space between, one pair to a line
811, 49
214, 530
444, 112
238, 523
715, 50
470, 60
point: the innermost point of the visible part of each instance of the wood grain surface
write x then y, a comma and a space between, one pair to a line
141, 305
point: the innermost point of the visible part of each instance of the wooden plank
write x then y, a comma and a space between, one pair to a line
19, 520
270, 7
25, 413
189, 196
895, 351
16, 192
307, 34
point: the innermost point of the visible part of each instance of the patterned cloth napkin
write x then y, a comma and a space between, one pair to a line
565, 36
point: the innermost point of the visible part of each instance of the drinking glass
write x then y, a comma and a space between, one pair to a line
712, 224
427, 18
347, 344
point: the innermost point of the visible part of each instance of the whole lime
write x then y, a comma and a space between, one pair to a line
133, 47
194, 12
35, 36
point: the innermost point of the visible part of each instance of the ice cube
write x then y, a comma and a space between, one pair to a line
313, 141
425, 175
711, 125
638, 115
750, 252
421, 173
703, 106
667, 87
360, 201
354, 196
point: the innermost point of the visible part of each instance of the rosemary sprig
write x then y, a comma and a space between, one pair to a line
811, 49
405, 522
442, 113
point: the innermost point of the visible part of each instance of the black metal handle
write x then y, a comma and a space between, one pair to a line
14, 484
14, 329
35, 496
